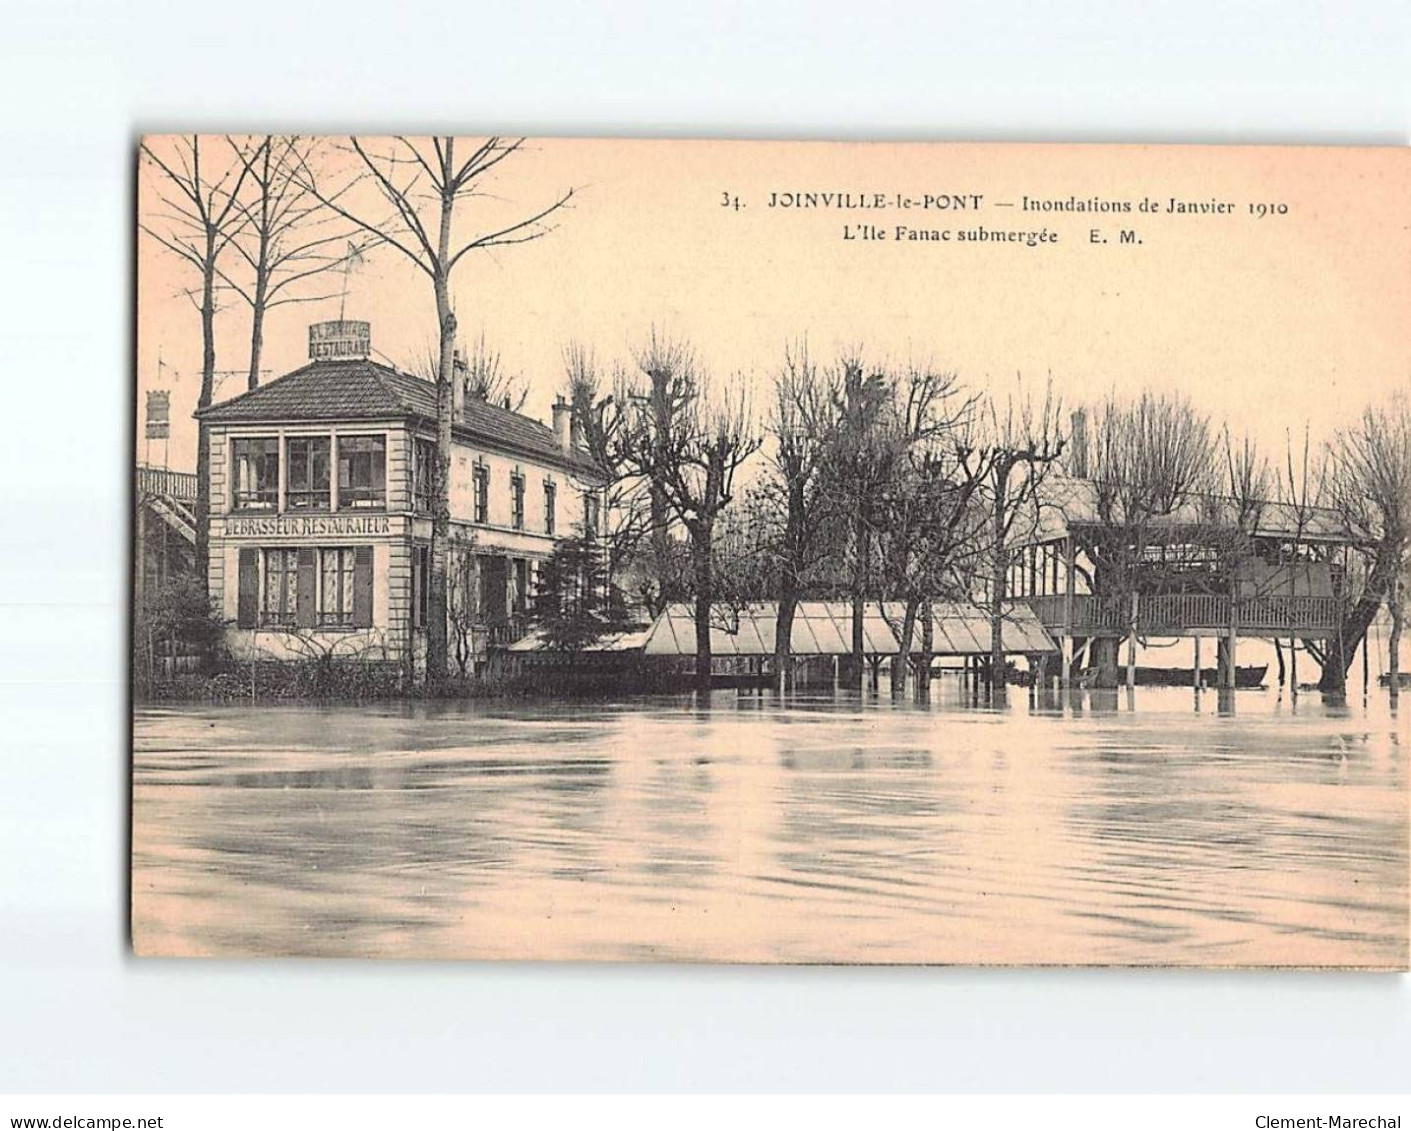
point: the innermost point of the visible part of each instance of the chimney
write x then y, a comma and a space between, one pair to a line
563, 428
460, 378
1078, 445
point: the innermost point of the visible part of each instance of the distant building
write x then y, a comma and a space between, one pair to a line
321, 491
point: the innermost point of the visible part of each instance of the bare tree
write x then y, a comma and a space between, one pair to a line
483, 375
860, 464
196, 217
689, 445
804, 424
1016, 451
1150, 457
489, 381
427, 186
1371, 482
936, 529
598, 427
288, 235
1301, 488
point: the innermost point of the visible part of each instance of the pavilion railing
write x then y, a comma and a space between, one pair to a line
1170, 614
166, 484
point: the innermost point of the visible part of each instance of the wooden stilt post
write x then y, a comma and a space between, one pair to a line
1228, 675
1132, 646
1195, 675
1293, 666
1066, 675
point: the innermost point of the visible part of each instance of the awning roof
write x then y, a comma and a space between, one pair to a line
614, 642
824, 628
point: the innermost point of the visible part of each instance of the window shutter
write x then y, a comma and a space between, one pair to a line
248, 603
362, 587
306, 609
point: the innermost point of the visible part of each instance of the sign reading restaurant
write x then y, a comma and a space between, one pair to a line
302, 525
339, 339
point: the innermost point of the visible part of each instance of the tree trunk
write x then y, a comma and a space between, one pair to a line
1104, 662
1342, 648
902, 660
859, 591
257, 329
700, 553
436, 630
659, 515
208, 383
1001, 572
1394, 642
784, 633
928, 645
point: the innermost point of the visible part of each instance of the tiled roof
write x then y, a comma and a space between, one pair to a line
362, 389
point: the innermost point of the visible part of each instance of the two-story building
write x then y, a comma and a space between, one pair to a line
321, 494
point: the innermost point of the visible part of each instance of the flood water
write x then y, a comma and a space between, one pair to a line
1153, 830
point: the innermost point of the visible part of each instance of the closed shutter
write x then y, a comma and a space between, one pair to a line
306, 612
362, 587
248, 603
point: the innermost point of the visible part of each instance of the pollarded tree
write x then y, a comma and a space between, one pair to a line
688, 441
794, 495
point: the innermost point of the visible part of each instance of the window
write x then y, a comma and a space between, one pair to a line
517, 499
550, 505
335, 595
256, 485
308, 473
482, 493
362, 471
424, 469
590, 514
281, 592
304, 587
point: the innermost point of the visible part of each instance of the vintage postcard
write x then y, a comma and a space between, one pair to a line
771, 552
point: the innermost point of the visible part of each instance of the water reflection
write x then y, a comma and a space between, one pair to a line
1095, 826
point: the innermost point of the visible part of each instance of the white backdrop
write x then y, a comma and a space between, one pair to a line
81, 78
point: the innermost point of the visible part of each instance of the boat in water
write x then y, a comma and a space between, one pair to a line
1247, 678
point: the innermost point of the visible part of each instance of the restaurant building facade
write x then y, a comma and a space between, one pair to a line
321, 496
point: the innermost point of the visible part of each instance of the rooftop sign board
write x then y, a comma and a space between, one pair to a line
339, 339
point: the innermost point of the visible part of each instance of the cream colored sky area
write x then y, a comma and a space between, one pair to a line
1267, 323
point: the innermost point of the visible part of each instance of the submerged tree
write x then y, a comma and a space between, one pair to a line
1151, 459
1015, 451
429, 185
1371, 483
688, 441
793, 500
